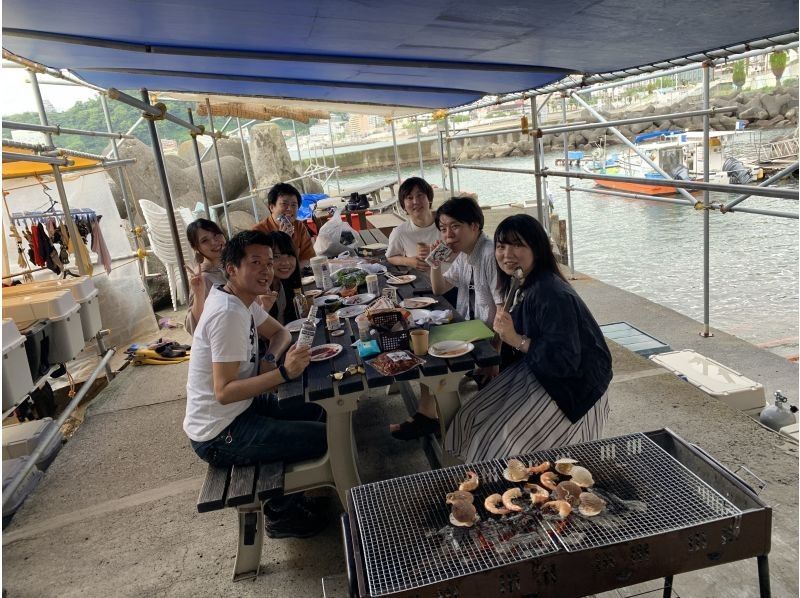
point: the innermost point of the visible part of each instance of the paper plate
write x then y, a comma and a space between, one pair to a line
398, 280
361, 299
297, 325
323, 352
313, 293
418, 302
307, 280
450, 349
351, 311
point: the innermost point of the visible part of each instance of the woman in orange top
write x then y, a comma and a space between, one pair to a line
283, 200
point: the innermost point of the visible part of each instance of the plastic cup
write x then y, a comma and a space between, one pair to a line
419, 341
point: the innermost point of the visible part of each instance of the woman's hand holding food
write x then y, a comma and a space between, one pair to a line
504, 326
267, 300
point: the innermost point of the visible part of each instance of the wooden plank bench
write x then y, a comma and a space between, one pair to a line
243, 488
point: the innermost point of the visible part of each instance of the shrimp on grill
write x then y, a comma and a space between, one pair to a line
537, 469
549, 480
561, 508
508, 499
492, 504
470, 483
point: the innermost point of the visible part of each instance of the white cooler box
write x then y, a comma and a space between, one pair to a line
17, 380
32, 479
715, 379
60, 309
22, 439
83, 291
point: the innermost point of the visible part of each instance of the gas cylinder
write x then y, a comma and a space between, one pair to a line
779, 415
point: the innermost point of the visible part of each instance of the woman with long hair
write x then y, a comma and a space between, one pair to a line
207, 240
286, 267
552, 390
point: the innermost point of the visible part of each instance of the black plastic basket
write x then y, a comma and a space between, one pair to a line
386, 320
392, 341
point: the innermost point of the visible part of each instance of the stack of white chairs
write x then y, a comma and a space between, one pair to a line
158, 232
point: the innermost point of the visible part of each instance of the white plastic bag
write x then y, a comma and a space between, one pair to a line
335, 237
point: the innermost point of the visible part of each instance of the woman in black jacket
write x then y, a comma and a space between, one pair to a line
552, 390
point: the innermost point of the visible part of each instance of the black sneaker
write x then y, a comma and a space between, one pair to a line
295, 522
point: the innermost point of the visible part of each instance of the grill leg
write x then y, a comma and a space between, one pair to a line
251, 540
763, 576
668, 586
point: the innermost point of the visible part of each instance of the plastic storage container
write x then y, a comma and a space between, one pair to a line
32, 479
715, 379
83, 291
60, 310
22, 439
37, 347
17, 378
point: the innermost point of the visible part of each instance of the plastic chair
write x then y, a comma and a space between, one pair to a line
160, 237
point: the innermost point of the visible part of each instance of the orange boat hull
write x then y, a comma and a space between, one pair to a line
637, 187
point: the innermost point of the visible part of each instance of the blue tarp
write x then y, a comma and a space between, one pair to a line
424, 53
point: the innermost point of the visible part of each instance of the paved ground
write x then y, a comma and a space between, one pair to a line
115, 515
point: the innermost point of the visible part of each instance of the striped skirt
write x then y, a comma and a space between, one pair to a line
514, 415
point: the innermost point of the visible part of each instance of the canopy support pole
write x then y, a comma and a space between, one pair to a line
396, 154
706, 217
419, 150
537, 168
115, 152
83, 268
571, 256
333, 152
247, 168
219, 170
299, 156
449, 156
440, 134
200, 176
162, 176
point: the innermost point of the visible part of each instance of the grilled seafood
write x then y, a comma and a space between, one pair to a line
516, 471
463, 514
549, 480
470, 483
591, 504
492, 504
557, 507
568, 491
581, 476
537, 469
564, 465
508, 499
459, 496
538, 494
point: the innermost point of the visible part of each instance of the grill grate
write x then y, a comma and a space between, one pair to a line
647, 492
408, 543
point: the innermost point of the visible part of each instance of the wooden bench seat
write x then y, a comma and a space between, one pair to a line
243, 488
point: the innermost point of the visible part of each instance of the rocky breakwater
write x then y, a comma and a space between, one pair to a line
760, 110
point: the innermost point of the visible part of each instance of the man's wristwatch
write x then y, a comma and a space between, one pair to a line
284, 373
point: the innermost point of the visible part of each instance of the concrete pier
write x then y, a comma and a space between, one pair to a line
115, 514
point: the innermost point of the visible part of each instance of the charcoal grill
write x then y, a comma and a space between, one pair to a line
671, 508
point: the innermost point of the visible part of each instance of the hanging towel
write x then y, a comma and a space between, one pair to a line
36, 252
99, 246
48, 251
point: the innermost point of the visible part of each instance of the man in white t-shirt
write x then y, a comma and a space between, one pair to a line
231, 417
416, 198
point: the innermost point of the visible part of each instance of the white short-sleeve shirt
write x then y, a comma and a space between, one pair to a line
404, 238
227, 332
481, 268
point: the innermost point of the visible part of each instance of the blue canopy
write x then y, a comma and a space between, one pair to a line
421, 53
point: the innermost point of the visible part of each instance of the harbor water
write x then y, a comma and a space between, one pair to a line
656, 249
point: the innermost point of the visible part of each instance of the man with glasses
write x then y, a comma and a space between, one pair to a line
473, 271
283, 201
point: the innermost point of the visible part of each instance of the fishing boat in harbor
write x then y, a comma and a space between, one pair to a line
679, 154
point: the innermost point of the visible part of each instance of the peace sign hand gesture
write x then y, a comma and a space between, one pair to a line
196, 282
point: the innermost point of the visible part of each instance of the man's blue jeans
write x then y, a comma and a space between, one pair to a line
265, 432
